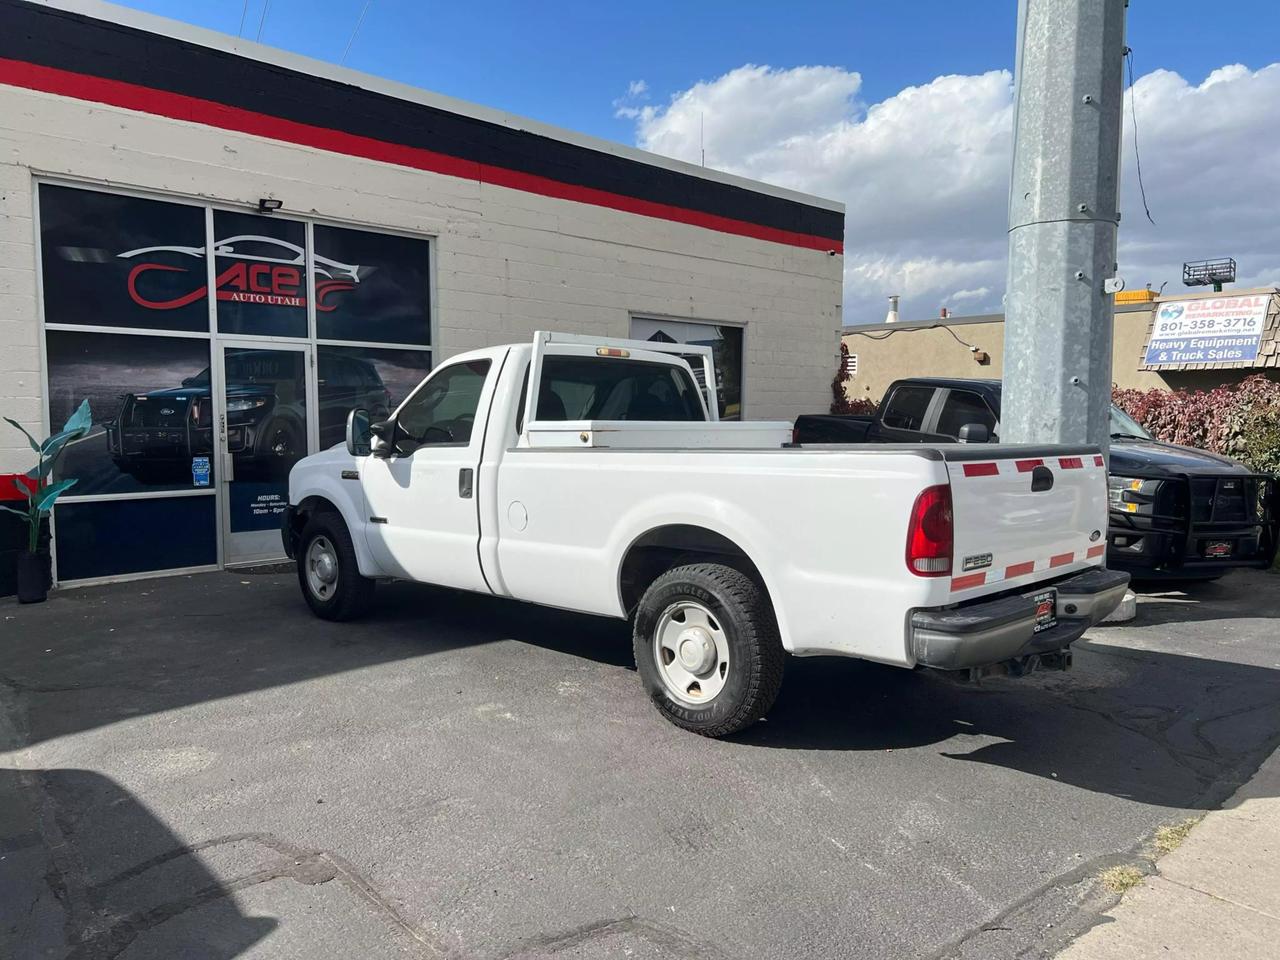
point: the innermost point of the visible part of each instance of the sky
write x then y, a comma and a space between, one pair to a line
902, 110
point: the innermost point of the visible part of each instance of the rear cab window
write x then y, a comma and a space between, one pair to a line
613, 388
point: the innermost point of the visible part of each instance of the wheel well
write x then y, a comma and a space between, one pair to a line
309, 508
663, 548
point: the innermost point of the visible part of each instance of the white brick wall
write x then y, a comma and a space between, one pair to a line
507, 262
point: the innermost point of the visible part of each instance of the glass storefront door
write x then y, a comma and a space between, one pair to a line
263, 431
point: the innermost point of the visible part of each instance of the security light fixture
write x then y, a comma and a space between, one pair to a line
1204, 273
269, 204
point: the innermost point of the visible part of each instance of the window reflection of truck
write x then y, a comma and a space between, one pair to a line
157, 433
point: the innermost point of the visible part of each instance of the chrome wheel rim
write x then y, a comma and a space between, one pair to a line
322, 568
691, 651
281, 444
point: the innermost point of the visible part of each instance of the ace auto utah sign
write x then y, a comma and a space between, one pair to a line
1209, 330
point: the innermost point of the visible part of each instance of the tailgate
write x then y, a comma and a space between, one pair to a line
1023, 514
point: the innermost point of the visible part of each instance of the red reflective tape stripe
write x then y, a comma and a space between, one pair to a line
1061, 560
1070, 463
1026, 466
967, 581
1097, 551
176, 106
1019, 569
980, 469
1097, 461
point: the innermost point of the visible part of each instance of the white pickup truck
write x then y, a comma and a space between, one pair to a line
593, 475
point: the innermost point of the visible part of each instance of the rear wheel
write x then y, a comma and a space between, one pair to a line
328, 572
707, 648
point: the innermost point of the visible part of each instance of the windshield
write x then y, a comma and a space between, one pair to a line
1123, 425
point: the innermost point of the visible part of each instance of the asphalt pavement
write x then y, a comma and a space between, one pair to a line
195, 767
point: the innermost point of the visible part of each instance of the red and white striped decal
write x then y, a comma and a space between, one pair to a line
968, 581
993, 468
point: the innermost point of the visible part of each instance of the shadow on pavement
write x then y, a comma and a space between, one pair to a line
96, 875
1157, 727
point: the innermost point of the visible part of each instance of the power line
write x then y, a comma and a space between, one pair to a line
243, 13
351, 39
1133, 112
262, 20
889, 333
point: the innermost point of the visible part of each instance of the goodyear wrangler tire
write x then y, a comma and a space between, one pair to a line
328, 572
707, 648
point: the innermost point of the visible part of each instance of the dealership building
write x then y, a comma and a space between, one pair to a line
225, 248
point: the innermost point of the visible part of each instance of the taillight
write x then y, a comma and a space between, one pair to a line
930, 533
795, 434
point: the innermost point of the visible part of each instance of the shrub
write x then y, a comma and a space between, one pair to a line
1240, 420
840, 401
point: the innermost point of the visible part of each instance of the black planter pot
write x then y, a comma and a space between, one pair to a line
34, 577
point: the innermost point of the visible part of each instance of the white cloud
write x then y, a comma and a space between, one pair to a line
629, 105
925, 173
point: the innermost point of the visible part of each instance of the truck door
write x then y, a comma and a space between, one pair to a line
423, 523
962, 408
906, 412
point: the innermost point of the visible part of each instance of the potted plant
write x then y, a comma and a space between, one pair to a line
33, 563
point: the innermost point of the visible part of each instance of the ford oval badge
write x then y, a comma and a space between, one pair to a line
1093, 537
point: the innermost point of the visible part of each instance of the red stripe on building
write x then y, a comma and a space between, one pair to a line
178, 106
1070, 463
1019, 569
1097, 551
967, 581
1061, 560
1026, 466
980, 470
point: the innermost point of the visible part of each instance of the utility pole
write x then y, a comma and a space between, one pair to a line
1063, 215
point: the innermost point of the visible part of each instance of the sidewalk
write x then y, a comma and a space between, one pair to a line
1217, 895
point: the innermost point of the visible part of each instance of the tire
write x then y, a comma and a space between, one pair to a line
707, 648
347, 595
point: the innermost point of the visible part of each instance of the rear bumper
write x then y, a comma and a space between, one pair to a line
988, 632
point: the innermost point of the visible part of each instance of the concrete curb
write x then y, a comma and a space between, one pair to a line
1217, 895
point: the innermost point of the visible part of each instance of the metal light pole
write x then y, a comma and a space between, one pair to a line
1063, 214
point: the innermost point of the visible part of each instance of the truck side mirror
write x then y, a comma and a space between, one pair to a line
383, 432
974, 433
359, 442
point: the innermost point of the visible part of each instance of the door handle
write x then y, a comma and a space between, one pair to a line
466, 477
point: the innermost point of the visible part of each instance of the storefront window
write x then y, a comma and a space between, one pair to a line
140, 266
259, 264
118, 261
372, 287
375, 379
152, 415
726, 350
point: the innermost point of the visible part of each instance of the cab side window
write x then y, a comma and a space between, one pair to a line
443, 410
905, 410
961, 408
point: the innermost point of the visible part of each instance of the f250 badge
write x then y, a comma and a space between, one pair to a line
976, 562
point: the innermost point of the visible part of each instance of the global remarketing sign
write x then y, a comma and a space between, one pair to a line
1209, 330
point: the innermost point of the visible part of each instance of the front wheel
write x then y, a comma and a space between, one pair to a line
707, 648
328, 572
